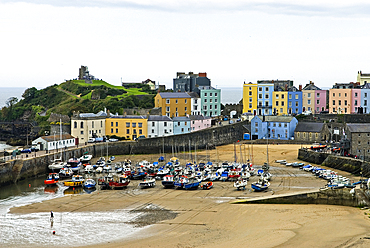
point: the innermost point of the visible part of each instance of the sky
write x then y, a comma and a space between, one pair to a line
45, 42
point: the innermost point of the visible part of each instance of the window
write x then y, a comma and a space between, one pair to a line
186, 108
186, 123
111, 124
127, 131
282, 96
210, 94
308, 102
277, 96
355, 102
345, 102
267, 89
277, 103
82, 125
259, 88
318, 94
279, 124
282, 103
296, 104
216, 100
339, 102
116, 130
177, 101
308, 94
333, 94
152, 130
250, 99
290, 96
116, 124
140, 124
355, 94
296, 96
167, 109
75, 124
205, 94
127, 124
281, 110
259, 96
167, 101
92, 124
365, 102
140, 131
210, 106
111, 130
365, 94
333, 102
318, 102
134, 131
285, 125
266, 96
210, 100
333, 109
340, 94
250, 93
274, 125
182, 130
215, 94
178, 123
205, 100
82, 132
250, 105
345, 94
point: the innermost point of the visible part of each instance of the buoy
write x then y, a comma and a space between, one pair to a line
73, 188
53, 232
29, 185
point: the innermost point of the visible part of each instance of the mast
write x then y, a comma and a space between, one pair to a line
60, 136
234, 153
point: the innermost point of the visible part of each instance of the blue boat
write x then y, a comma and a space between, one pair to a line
192, 183
180, 182
89, 183
261, 185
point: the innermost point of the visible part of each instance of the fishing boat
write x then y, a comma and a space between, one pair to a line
119, 183
180, 181
85, 158
168, 181
137, 175
89, 183
77, 181
65, 172
192, 183
147, 183
52, 179
89, 168
261, 185
103, 182
74, 164
57, 164
207, 185
240, 184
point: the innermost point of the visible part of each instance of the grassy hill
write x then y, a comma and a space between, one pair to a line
76, 95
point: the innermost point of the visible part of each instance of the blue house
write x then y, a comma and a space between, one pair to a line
294, 102
273, 127
264, 98
181, 125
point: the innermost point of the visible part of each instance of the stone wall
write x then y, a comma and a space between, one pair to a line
354, 166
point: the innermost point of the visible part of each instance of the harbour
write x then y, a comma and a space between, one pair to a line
205, 211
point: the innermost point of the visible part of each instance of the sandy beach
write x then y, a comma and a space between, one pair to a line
206, 218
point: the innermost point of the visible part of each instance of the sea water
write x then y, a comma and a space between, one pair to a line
231, 94
7, 92
71, 228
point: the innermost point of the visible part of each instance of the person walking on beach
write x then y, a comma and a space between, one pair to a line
51, 216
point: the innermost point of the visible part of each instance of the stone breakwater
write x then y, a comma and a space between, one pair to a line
14, 170
354, 166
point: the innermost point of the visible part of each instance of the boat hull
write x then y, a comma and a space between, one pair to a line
258, 187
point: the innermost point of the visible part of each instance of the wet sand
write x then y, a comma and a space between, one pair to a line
205, 218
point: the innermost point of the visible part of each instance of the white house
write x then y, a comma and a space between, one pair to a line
53, 142
159, 126
195, 103
88, 125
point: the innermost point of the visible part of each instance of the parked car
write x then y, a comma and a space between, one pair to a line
113, 140
34, 149
140, 137
26, 150
91, 140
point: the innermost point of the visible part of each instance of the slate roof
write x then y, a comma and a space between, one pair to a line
279, 118
174, 95
159, 118
196, 117
312, 127
180, 118
358, 127
128, 116
87, 115
57, 137
193, 94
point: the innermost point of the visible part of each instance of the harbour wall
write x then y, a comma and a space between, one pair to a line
326, 196
15, 170
354, 166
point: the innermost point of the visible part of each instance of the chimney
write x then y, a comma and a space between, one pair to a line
300, 87
108, 113
124, 114
202, 74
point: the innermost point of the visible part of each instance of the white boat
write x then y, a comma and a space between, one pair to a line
147, 183
89, 168
89, 183
65, 172
240, 184
261, 185
99, 169
280, 161
85, 158
245, 175
56, 165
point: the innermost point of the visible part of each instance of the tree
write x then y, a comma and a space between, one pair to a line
11, 101
29, 93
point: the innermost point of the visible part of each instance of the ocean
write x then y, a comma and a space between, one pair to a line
7, 92
231, 94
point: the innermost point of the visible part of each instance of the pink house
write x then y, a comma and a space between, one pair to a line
320, 101
199, 122
356, 100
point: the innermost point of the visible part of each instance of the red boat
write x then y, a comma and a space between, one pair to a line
207, 185
119, 183
52, 179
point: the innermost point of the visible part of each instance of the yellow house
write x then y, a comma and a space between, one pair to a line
173, 104
250, 98
128, 126
280, 102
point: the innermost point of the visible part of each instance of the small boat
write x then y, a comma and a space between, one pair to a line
85, 158
207, 185
180, 182
103, 182
52, 179
74, 164
65, 172
57, 165
240, 184
77, 181
280, 161
168, 181
89, 168
89, 183
119, 183
192, 183
147, 183
261, 185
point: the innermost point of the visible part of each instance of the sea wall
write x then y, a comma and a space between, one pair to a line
354, 166
327, 196
14, 170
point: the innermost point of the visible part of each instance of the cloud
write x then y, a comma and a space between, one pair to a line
288, 7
